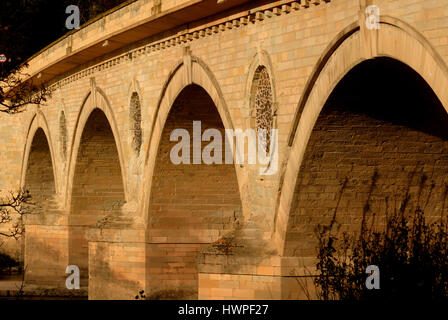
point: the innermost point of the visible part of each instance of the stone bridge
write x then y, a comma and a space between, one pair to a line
350, 99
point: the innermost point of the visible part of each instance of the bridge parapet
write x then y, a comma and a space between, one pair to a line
121, 26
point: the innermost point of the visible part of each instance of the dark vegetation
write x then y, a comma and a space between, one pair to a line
407, 240
12, 210
410, 251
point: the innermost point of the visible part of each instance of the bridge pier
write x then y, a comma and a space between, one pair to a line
46, 249
116, 263
245, 264
260, 277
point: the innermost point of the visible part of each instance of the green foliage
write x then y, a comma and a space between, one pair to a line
411, 253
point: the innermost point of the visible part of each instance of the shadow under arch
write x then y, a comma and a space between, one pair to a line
96, 182
38, 122
90, 103
395, 39
98, 192
179, 78
180, 204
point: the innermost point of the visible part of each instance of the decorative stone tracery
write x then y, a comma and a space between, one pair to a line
63, 135
136, 122
263, 104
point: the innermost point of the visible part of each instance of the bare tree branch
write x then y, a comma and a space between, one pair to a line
16, 93
15, 203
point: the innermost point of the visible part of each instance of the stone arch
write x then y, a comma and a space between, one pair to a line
97, 191
38, 122
180, 77
182, 210
39, 176
98, 100
395, 39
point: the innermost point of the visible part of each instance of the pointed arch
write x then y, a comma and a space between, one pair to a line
395, 39
92, 101
97, 183
179, 78
37, 122
260, 59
